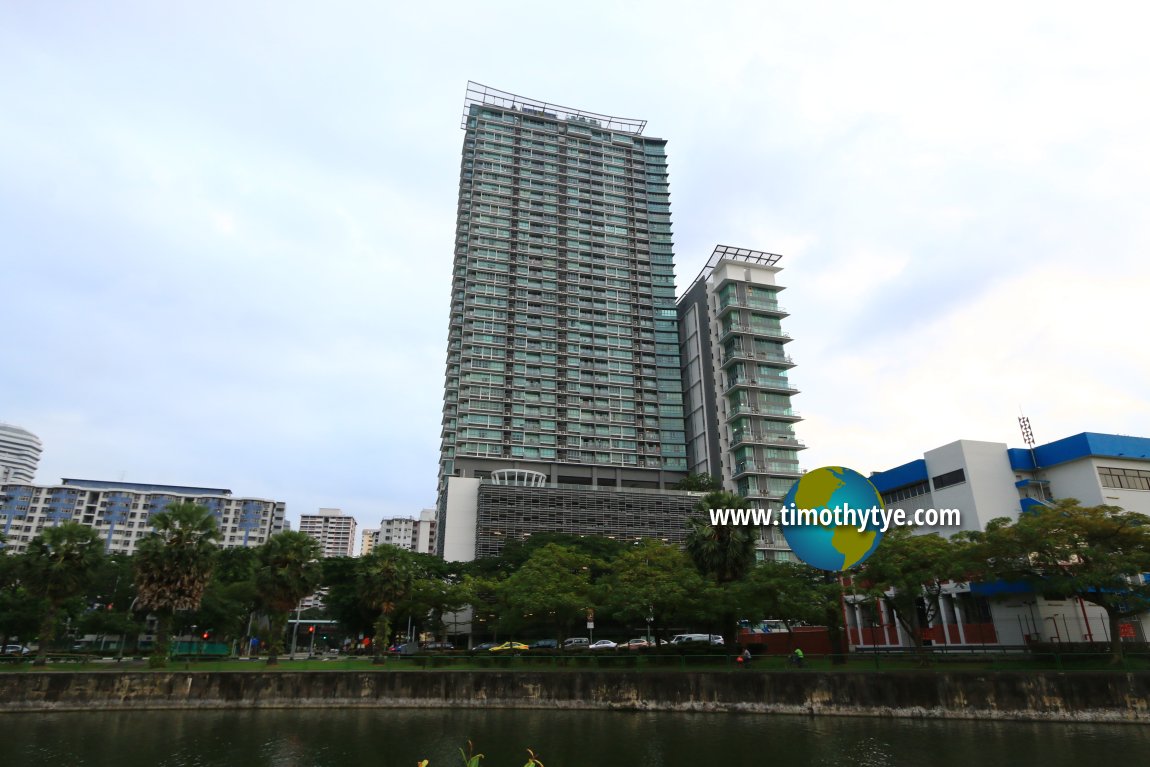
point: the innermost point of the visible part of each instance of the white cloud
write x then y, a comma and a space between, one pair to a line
226, 232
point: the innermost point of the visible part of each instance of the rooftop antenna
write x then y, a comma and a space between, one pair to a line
1028, 437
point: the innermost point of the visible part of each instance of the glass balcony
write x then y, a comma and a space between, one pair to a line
777, 413
780, 385
734, 302
739, 354
750, 437
774, 468
762, 331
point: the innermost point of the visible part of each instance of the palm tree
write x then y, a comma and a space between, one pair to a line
57, 566
723, 552
386, 578
288, 569
173, 566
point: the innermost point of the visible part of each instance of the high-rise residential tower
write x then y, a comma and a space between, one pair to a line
563, 356
332, 529
738, 397
19, 454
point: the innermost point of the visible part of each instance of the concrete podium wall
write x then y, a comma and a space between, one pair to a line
1071, 696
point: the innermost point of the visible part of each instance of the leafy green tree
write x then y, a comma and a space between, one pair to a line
515, 553
1095, 553
786, 591
794, 593
231, 598
342, 599
109, 597
908, 572
56, 568
553, 588
20, 610
650, 580
173, 566
700, 483
385, 581
288, 568
436, 590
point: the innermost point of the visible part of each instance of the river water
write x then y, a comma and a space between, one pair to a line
400, 738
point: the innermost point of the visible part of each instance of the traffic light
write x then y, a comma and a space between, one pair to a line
311, 629
207, 635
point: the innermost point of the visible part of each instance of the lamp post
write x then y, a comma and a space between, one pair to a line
650, 620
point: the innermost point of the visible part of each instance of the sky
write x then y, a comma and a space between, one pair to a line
226, 229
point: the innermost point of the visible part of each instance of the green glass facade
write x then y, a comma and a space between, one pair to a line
736, 382
563, 343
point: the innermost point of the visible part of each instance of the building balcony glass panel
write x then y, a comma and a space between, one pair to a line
761, 331
750, 437
773, 468
729, 303
777, 413
780, 385
739, 354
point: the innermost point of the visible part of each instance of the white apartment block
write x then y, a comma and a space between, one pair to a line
418, 535
334, 531
986, 480
119, 511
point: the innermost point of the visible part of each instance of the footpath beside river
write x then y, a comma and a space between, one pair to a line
1083, 696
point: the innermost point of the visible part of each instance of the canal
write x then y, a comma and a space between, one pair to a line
400, 738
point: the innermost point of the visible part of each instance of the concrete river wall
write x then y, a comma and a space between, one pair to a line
1065, 696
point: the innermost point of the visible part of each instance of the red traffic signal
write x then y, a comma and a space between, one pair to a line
207, 635
311, 629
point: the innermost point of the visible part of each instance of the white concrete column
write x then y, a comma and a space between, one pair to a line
958, 619
942, 618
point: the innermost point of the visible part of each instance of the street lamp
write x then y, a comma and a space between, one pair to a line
650, 619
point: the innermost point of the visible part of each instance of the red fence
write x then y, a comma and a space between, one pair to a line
809, 639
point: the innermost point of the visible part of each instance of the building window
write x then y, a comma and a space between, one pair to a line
910, 491
1124, 479
956, 477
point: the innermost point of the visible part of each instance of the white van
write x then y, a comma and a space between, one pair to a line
697, 638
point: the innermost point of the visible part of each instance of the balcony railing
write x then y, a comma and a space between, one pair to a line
766, 467
738, 328
743, 303
770, 412
745, 437
775, 384
735, 355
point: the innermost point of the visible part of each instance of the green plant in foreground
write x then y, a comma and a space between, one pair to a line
472, 759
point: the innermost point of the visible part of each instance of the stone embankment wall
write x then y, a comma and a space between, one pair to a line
1073, 696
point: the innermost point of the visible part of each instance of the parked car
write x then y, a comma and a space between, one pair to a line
545, 644
603, 644
509, 647
634, 644
437, 646
714, 639
16, 649
484, 647
576, 643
